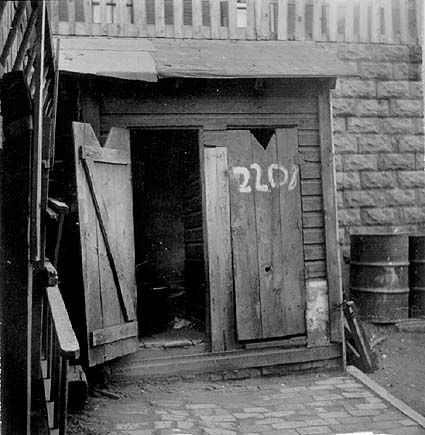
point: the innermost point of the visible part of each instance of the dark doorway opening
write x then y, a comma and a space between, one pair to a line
169, 240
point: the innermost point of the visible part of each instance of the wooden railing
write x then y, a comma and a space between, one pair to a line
58, 346
369, 21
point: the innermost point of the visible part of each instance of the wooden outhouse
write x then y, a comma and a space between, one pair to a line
217, 182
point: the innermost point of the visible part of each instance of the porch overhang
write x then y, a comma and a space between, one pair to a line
149, 59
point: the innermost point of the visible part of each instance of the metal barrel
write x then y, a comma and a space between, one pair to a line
379, 276
417, 275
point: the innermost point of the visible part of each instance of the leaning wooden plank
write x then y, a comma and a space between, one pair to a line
67, 340
17, 19
282, 20
102, 215
375, 20
331, 222
404, 21
25, 40
105, 155
113, 333
219, 248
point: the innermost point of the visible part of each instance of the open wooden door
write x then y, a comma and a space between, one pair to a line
264, 233
105, 207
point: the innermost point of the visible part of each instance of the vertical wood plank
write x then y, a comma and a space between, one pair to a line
332, 22
197, 18
317, 20
54, 14
139, 10
331, 221
363, 20
291, 233
244, 239
219, 248
282, 20
258, 5
349, 21
159, 18
269, 241
215, 19
375, 21
419, 21
250, 20
300, 20
122, 22
233, 25
178, 18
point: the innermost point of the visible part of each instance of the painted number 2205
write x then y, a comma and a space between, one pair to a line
277, 176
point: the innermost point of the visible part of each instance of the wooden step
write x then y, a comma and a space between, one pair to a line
50, 413
47, 388
54, 431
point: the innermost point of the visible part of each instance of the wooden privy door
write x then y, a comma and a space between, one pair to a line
265, 225
105, 208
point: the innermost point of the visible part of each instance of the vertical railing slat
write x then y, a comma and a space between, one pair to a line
233, 24
419, 21
250, 20
375, 21
349, 21
178, 18
282, 20
139, 11
71, 16
258, 18
54, 14
317, 20
404, 22
122, 20
103, 24
215, 19
88, 19
197, 18
332, 24
159, 18
388, 21
300, 20
363, 21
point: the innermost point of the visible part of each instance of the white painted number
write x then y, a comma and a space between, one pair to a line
277, 176
258, 186
243, 176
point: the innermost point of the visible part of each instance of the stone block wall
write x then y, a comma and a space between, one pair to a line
379, 143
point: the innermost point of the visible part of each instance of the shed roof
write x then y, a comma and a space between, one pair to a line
144, 59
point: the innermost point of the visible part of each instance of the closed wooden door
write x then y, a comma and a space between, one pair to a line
265, 231
105, 208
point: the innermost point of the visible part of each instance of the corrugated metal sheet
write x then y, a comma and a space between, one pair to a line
126, 58
144, 59
245, 59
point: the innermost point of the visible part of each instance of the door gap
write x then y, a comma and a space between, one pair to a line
263, 135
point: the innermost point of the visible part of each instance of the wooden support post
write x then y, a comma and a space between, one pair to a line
15, 269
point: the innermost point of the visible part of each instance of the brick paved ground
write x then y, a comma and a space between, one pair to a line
289, 405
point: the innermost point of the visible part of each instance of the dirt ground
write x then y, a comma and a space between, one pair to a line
401, 366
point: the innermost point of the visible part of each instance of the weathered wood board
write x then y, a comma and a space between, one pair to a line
105, 210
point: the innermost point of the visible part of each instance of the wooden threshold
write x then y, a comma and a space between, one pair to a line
137, 366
